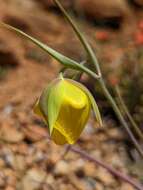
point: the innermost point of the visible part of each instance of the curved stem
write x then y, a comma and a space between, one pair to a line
108, 168
96, 161
94, 61
125, 109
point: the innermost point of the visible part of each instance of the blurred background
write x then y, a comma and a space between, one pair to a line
115, 30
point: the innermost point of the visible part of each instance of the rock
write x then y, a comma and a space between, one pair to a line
39, 156
139, 38
62, 168
89, 169
10, 176
2, 163
99, 186
20, 163
10, 134
78, 166
32, 180
126, 186
8, 157
47, 3
102, 36
22, 117
34, 132
16, 22
141, 25
115, 134
9, 188
2, 182
115, 160
139, 2
7, 57
103, 9
22, 148
104, 176
94, 9
50, 179
50, 3
7, 110
65, 187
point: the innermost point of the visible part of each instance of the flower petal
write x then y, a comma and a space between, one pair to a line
74, 112
36, 109
58, 138
91, 98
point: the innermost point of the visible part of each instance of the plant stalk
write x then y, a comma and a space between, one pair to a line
119, 115
126, 111
81, 37
108, 168
85, 155
95, 63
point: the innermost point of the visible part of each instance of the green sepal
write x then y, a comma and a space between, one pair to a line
49, 103
44, 101
54, 104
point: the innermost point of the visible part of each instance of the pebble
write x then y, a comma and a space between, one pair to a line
33, 179
10, 134
104, 176
9, 188
62, 168
126, 186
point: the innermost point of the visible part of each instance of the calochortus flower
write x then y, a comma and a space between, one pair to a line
65, 106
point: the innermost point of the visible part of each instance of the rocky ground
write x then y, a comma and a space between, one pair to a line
27, 160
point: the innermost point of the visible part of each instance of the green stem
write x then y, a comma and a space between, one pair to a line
81, 37
126, 111
94, 61
119, 115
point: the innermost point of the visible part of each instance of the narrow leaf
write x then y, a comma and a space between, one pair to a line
67, 62
81, 37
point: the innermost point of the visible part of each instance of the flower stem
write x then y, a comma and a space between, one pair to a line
119, 115
108, 168
85, 155
81, 37
95, 63
126, 111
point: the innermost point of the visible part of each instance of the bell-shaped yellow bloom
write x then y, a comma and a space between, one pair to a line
65, 105
73, 114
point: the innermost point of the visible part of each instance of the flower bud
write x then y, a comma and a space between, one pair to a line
65, 105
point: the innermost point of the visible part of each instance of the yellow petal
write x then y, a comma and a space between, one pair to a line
73, 114
36, 109
91, 98
58, 137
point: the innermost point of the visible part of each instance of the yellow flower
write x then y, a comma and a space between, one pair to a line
65, 105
